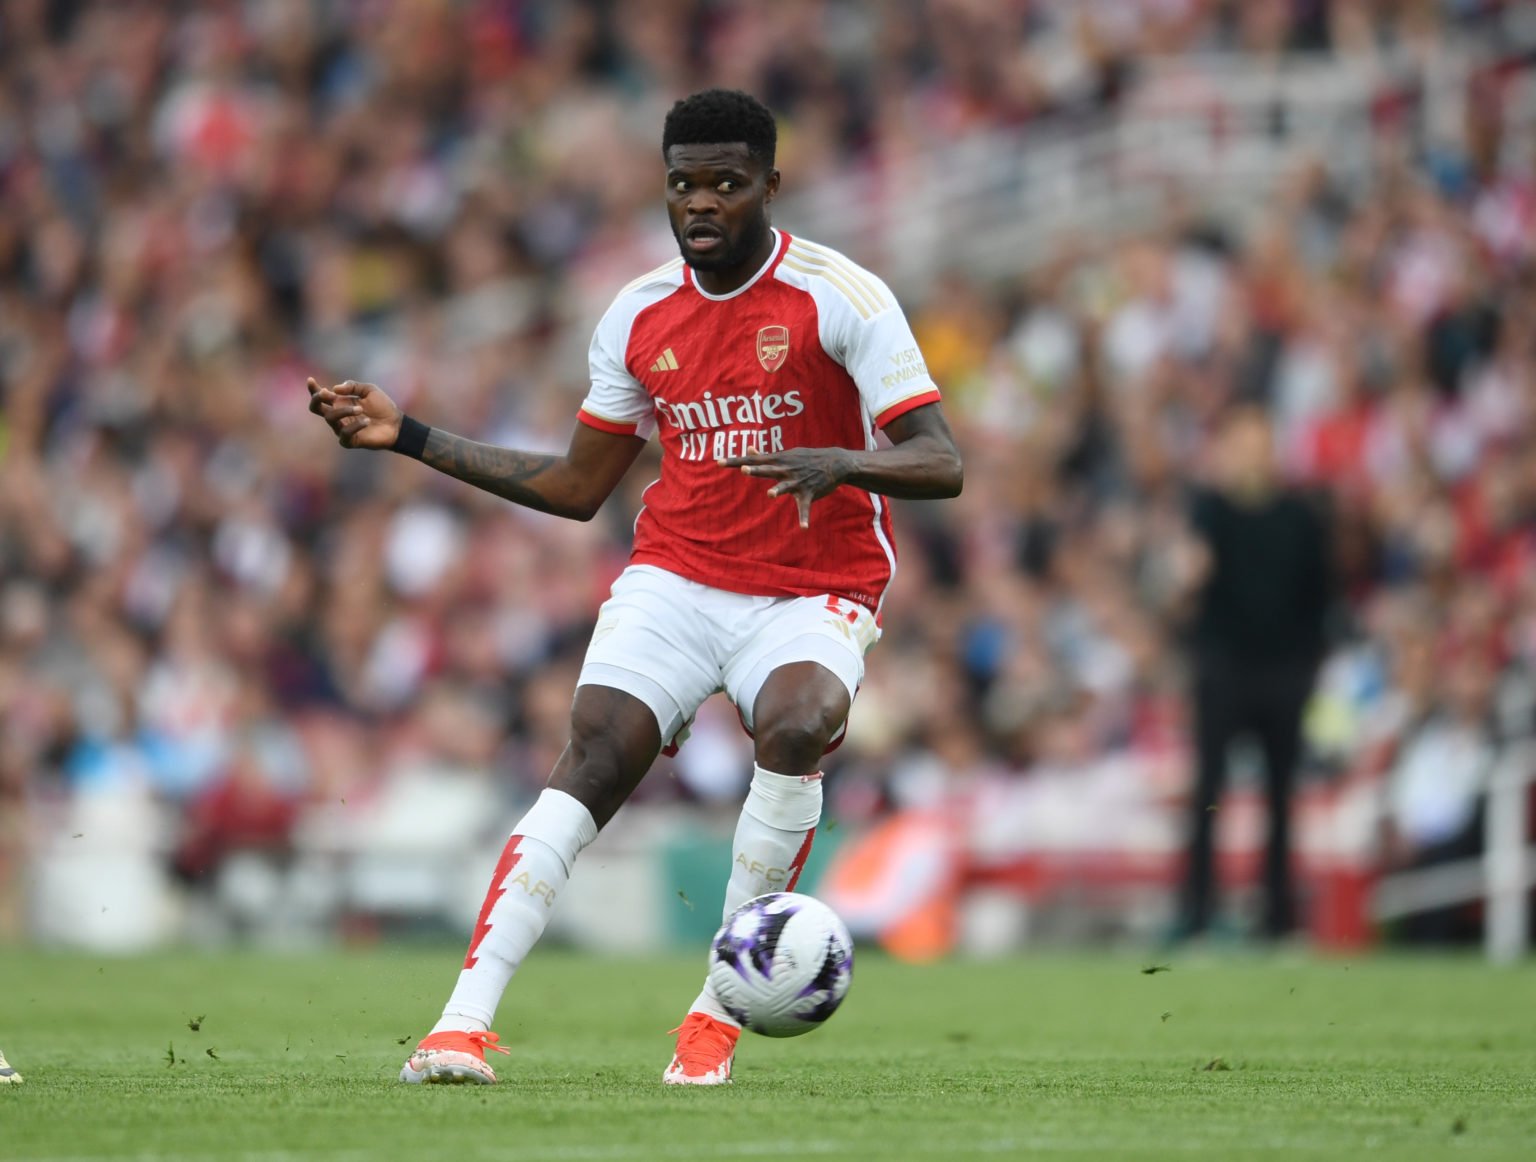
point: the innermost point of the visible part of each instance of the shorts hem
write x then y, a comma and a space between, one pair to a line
825, 651
669, 716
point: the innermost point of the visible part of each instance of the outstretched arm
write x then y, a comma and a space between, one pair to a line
922, 464
573, 485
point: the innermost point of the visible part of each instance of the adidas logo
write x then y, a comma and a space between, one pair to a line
667, 362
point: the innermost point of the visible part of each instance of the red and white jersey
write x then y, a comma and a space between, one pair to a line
812, 352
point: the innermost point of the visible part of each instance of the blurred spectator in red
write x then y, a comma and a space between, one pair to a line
242, 810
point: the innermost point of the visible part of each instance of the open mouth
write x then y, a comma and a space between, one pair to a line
704, 238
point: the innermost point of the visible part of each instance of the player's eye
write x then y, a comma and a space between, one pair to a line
729, 186
680, 186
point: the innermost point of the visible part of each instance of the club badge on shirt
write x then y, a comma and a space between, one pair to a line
773, 347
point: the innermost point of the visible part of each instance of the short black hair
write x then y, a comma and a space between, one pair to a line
721, 116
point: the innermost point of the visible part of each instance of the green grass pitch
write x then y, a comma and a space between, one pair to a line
266, 1057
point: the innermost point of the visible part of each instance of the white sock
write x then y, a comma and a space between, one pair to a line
531, 873
773, 838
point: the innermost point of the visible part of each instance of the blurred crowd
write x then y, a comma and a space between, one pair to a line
205, 602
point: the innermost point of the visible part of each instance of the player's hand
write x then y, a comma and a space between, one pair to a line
360, 414
807, 474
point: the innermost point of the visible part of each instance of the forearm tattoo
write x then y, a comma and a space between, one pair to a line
502, 472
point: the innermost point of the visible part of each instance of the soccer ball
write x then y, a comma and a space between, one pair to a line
781, 964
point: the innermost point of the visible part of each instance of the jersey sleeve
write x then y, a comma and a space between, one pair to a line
880, 353
616, 402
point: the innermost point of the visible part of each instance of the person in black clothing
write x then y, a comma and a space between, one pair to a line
1258, 570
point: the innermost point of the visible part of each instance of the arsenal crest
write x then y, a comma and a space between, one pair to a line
773, 347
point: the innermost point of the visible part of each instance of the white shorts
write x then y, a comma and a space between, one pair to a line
672, 643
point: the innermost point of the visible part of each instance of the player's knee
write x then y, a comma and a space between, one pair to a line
590, 772
792, 741
605, 758
795, 716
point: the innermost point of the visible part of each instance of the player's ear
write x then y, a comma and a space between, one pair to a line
770, 185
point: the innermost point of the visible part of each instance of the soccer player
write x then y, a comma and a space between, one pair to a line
764, 364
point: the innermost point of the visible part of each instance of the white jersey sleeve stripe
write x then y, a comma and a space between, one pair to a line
849, 269
859, 303
659, 274
829, 263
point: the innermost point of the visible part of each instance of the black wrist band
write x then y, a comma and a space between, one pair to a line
412, 440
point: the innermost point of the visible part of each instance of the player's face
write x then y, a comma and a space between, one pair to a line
717, 200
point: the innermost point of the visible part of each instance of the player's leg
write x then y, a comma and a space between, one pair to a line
646, 671
1278, 724
614, 740
1215, 724
800, 709
794, 685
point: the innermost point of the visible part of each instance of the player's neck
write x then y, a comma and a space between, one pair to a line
723, 282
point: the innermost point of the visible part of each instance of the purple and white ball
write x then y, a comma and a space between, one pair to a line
781, 964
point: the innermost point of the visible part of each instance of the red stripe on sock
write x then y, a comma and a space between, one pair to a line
509, 857
797, 865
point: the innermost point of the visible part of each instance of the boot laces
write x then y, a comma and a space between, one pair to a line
475, 1041
484, 1039
704, 1044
